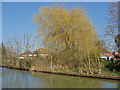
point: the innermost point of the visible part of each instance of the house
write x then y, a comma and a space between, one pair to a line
117, 54
105, 54
42, 52
26, 54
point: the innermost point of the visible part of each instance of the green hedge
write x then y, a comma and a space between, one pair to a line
112, 66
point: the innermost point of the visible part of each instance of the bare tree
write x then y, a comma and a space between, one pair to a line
27, 42
14, 46
112, 28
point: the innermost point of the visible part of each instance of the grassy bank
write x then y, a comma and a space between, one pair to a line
45, 65
110, 73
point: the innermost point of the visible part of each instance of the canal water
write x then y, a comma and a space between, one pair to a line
12, 78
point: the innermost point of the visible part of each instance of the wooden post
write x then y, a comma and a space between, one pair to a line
51, 61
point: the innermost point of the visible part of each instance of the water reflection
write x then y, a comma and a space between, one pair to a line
24, 79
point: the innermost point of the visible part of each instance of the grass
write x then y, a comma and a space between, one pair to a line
110, 73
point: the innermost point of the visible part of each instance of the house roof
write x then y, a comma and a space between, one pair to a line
103, 50
27, 52
41, 51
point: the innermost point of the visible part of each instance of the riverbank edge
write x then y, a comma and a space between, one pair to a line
70, 74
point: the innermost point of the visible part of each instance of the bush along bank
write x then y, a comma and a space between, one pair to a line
44, 65
112, 66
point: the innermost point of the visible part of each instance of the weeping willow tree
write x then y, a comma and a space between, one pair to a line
62, 29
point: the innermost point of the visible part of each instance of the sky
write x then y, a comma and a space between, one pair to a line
17, 17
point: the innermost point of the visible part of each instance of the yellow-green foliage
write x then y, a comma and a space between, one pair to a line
63, 29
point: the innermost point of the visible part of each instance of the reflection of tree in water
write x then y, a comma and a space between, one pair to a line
119, 84
23, 79
56, 81
28, 81
17, 78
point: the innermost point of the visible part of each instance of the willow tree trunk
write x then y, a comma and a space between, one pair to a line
51, 63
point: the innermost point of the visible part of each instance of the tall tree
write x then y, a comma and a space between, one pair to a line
117, 38
112, 27
62, 29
